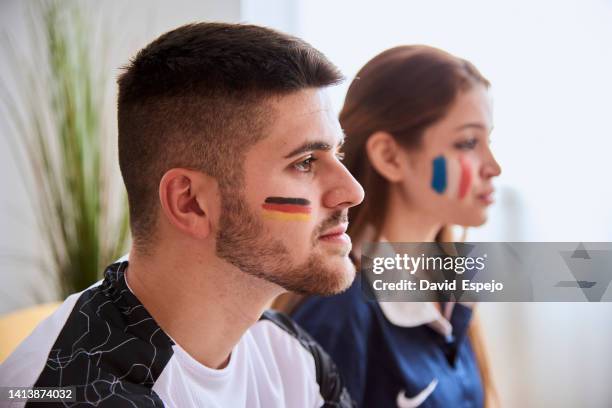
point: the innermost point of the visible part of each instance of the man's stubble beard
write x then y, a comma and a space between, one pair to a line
243, 242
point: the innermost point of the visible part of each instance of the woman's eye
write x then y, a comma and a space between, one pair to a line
305, 166
467, 144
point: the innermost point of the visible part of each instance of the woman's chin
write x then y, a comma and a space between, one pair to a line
477, 219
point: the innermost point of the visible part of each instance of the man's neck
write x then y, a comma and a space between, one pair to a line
204, 305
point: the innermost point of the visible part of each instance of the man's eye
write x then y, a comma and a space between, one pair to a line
305, 166
467, 144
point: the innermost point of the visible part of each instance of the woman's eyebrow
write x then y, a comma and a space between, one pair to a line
478, 126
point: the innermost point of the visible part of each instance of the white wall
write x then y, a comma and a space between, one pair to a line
549, 62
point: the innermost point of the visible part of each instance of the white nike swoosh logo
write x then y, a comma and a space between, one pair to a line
405, 402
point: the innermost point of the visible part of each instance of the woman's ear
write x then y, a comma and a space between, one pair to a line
386, 156
186, 198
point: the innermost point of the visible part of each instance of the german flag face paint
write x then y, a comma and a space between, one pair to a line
286, 209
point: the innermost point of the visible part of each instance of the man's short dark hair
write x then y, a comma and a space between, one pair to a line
196, 98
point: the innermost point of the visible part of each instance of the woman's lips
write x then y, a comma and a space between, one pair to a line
486, 197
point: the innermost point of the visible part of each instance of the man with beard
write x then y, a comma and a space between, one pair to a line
230, 153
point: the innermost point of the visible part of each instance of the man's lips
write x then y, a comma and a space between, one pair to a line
335, 233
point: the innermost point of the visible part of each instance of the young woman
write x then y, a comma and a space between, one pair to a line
409, 108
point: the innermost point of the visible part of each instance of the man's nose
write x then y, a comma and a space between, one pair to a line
344, 191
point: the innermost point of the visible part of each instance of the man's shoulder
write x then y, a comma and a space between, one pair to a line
23, 366
101, 341
286, 324
288, 341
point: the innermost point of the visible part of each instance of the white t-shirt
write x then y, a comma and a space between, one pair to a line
104, 342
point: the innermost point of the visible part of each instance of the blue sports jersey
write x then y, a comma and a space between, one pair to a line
385, 365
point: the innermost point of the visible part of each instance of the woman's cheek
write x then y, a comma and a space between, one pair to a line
452, 177
466, 176
439, 174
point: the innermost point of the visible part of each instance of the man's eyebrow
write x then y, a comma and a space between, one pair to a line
310, 146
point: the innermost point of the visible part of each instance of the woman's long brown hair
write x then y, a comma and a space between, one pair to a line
401, 91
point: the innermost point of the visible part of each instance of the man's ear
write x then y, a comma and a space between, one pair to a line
187, 201
386, 156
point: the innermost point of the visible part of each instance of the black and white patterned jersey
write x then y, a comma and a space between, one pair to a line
104, 342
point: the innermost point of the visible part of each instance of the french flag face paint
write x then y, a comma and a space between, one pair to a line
286, 209
466, 177
454, 178
438, 179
